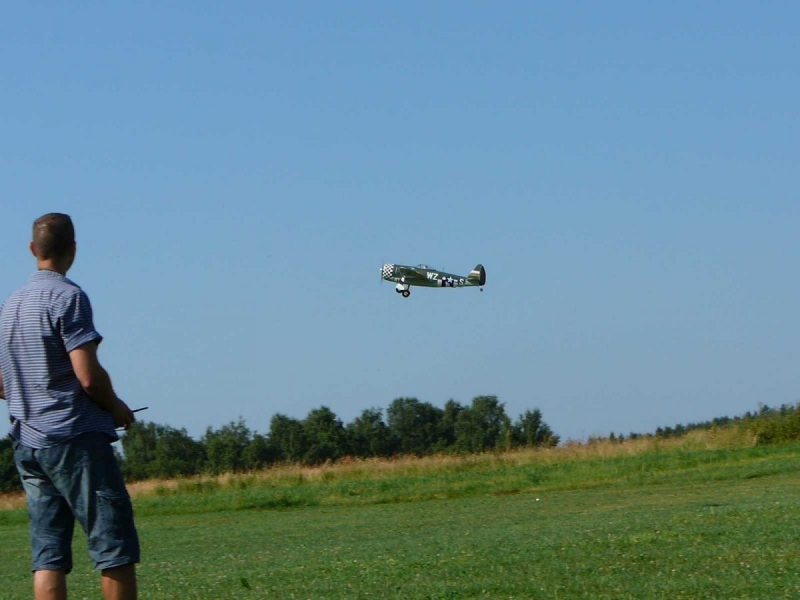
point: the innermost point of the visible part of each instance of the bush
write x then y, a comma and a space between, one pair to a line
9, 478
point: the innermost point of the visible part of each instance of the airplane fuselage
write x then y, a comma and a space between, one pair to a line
434, 279
423, 276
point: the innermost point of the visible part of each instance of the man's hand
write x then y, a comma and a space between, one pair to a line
123, 416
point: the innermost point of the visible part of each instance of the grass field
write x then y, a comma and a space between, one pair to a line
689, 519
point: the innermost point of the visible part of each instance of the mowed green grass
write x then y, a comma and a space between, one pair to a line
666, 523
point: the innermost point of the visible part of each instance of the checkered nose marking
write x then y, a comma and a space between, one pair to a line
387, 271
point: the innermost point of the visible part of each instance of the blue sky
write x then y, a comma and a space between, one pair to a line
626, 172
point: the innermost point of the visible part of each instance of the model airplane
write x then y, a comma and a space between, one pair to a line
425, 276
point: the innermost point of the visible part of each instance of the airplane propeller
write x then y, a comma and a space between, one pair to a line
383, 263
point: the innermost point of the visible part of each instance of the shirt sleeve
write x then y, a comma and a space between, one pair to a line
76, 324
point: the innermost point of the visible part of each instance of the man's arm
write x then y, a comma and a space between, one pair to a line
2, 389
97, 383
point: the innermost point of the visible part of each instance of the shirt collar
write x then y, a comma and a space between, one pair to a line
43, 274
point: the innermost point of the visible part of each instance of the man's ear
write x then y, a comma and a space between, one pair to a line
32, 246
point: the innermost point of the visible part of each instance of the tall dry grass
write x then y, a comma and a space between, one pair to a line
377, 468
12, 500
352, 469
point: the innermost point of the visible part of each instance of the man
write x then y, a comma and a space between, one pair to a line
64, 412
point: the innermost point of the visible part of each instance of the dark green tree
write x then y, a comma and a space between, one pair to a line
414, 425
177, 454
447, 426
287, 438
368, 435
225, 447
9, 478
482, 426
139, 448
530, 430
259, 453
152, 450
325, 436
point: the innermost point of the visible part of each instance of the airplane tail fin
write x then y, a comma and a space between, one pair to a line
477, 276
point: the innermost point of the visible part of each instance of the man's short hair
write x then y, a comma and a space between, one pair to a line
53, 235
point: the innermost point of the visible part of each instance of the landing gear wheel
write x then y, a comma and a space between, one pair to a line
406, 293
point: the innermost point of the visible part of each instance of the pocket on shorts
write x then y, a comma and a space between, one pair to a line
115, 515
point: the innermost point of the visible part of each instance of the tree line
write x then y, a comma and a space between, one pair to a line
410, 427
769, 424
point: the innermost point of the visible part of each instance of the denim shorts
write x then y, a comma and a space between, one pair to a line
79, 479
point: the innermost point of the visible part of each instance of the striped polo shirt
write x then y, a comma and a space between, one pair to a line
40, 324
